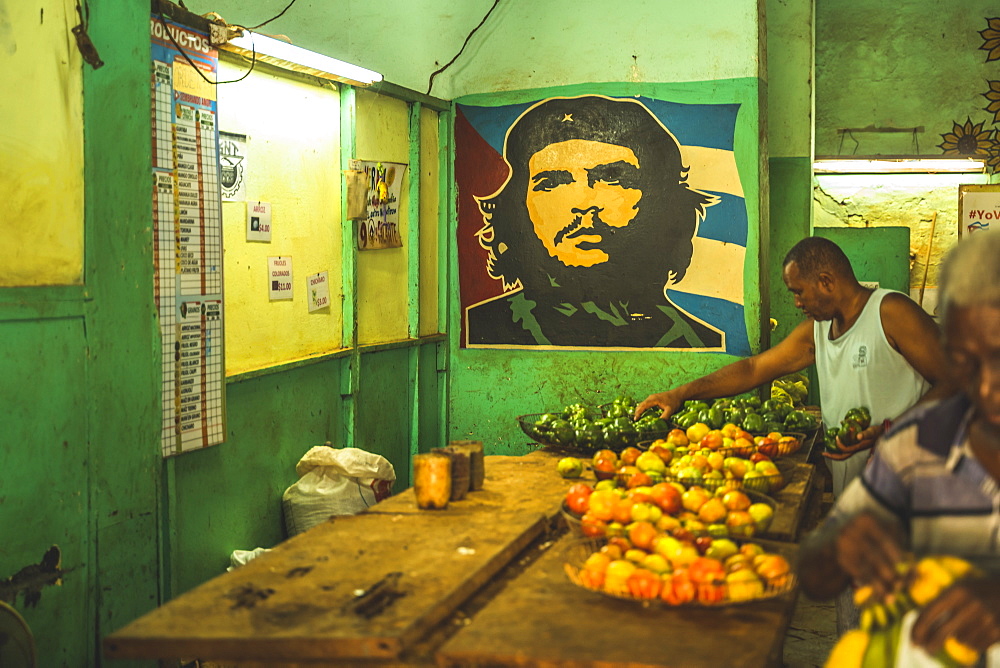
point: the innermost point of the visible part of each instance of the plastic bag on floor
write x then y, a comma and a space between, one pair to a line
240, 557
335, 481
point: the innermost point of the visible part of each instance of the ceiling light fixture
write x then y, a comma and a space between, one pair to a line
899, 165
295, 58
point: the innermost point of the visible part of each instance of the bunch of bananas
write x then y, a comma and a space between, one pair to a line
873, 644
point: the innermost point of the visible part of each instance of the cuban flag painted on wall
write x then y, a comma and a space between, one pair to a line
601, 222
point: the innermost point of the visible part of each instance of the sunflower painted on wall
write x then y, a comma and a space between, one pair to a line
970, 139
967, 139
991, 39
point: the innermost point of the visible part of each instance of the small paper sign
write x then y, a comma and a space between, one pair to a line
232, 166
258, 221
279, 277
318, 291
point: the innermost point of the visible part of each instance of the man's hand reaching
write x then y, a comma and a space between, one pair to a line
668, 402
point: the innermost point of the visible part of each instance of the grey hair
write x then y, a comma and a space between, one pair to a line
970, 273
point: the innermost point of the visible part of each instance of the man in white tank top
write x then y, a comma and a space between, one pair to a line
876, 349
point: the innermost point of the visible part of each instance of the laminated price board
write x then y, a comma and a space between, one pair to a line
187, 235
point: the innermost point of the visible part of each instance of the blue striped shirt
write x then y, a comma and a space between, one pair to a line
924, 477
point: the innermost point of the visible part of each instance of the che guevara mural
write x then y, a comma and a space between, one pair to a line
599, 222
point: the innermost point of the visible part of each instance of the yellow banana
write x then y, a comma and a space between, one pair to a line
862, 595
957, 567
867, 620
959, 652
849, 651
880, 615
930, 578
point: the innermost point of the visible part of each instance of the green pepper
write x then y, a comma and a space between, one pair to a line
735, 415
830, 439
562, 432
686, 419
696, 405
753, 423
861, 415
614, 410
769, 406
654, 424
716, 418
800, 421
589, 437
849, 431
773, 426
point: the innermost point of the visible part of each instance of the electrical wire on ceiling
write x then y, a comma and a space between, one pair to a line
430, 82
166, 29
218, 19
278, 16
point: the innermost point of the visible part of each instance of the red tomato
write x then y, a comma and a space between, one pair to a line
592, 527
578, 498
678, 589
666, 497
706, 569
644, 584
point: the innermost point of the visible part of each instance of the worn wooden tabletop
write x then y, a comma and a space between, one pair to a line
386, 586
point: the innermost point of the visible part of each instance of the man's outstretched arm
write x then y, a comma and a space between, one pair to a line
794, 353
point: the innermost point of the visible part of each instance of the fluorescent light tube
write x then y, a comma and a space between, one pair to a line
876, 165
287, 56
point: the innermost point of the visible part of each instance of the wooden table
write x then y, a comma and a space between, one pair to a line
470, 568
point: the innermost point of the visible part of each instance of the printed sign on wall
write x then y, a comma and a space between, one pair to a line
601, 222
232, 166
279, 278
978, 208
258, 221
380, 229
318, 291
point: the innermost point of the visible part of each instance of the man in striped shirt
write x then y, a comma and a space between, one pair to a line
931, 486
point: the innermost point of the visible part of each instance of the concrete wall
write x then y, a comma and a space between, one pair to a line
916, 65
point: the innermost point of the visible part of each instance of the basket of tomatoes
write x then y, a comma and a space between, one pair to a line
606, 510
659, 569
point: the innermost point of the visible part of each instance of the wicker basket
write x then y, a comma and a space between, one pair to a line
712, 595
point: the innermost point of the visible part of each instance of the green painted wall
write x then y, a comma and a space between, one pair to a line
790, 47
917, 66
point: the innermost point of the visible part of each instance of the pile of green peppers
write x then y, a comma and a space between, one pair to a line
593, 428
855, 421
748, 413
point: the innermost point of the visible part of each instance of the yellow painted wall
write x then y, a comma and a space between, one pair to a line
41, 145
429, 181
382, 133
293, 158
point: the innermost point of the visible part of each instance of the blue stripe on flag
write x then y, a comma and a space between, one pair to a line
719, 313
725, 221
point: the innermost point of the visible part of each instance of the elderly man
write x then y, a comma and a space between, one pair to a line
933, 483
594, 220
